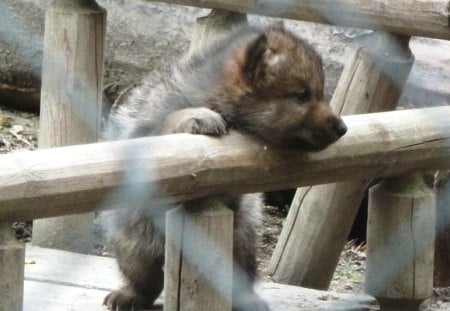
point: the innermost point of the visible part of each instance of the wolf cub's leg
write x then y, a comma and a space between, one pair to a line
139, 294
125, 299
199, 120
139, 247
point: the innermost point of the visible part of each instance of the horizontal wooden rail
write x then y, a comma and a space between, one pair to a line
81, 178
428, 18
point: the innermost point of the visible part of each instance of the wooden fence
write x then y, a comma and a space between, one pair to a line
74, 179
82, 178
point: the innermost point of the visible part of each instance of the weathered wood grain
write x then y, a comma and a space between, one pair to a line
429, 18
71, 101
82, 178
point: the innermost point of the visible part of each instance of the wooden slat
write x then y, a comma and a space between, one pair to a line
428, 18
81, 178
48, 287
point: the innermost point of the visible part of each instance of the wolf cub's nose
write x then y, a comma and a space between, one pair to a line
339, 127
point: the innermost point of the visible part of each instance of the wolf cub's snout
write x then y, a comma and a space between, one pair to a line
273, 87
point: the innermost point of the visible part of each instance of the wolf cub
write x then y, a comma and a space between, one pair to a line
264, 82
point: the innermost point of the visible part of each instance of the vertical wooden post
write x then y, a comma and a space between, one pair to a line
199, 239
400, 242
320, 217
199, 255
216, 25
442, 250
12, 259
71, 97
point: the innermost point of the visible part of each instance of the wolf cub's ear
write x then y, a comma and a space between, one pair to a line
262, 61
254, 59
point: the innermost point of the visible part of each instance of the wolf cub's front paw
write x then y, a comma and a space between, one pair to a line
195, 121
125, 300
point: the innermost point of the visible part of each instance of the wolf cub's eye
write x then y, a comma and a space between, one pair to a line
303, 96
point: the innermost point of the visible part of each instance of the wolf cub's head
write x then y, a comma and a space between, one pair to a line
278, 84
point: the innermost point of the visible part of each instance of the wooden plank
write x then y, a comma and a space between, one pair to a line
48, 288
52, 283
56, 297
429, 18
179, 167
312, 239
57, 266
199, 256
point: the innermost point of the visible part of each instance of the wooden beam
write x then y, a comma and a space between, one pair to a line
82, 178
428, 18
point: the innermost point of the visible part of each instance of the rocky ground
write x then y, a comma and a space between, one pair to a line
18, 132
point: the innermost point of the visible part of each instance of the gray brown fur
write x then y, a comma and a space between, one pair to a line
264, 82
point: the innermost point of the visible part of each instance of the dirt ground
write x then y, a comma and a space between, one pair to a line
19, 131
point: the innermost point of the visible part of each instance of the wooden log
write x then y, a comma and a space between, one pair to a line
320, 217
75, 179
442, 249
71, 99
199, 257
400, 242
12, 260
417, 18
